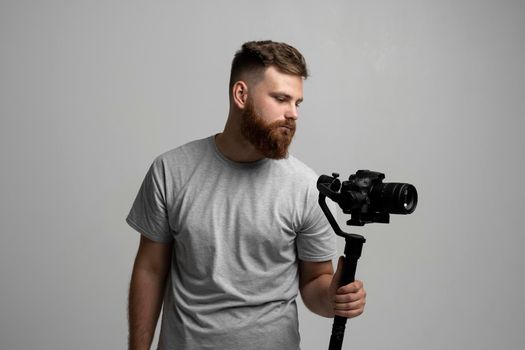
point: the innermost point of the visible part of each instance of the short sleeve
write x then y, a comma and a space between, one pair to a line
148, 215
316, 238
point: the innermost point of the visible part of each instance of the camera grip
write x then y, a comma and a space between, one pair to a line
353, 248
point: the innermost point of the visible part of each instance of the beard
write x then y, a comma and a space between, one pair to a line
270, 139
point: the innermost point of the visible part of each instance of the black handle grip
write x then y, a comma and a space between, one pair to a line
353, 248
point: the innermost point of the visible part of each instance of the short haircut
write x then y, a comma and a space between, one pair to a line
255, 56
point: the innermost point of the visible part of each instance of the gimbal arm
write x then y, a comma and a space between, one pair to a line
353, 247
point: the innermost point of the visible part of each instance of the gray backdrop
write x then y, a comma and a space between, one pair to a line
429, 92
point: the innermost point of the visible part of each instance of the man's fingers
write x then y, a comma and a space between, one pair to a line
347, 298
350, 288
349, 314
355, 305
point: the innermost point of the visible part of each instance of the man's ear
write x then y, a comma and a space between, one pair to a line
240, 94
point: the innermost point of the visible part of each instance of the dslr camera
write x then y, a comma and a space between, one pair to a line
367, 198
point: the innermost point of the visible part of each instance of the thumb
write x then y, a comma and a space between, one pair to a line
336, 279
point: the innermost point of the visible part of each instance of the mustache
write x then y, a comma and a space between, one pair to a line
288, 123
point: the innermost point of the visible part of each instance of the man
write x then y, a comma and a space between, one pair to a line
230, 225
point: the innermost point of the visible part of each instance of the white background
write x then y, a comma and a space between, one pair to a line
428, 92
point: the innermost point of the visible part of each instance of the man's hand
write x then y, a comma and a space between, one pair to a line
321, 293
349, 300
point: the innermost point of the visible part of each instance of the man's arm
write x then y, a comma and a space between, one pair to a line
322, 295
146, 291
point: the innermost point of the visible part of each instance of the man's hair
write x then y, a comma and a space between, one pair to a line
255, 56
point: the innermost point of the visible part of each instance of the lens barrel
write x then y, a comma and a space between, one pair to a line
394, 198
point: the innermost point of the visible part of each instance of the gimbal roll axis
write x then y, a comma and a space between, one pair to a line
368, 200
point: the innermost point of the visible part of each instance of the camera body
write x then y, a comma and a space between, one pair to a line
367, 198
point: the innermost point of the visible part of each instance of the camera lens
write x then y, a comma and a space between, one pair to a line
394, 198
409, 198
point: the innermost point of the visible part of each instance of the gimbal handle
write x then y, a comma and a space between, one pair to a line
353, 248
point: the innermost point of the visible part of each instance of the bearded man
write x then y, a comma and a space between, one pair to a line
230, 226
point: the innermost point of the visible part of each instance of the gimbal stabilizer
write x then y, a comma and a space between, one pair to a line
368, 200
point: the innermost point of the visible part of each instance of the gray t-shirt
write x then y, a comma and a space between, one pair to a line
238, 230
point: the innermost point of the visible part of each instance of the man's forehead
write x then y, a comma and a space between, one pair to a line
284, 83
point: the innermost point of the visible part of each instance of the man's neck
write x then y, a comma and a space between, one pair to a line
236, 148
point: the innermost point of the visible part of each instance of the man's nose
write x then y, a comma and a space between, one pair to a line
292, 112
